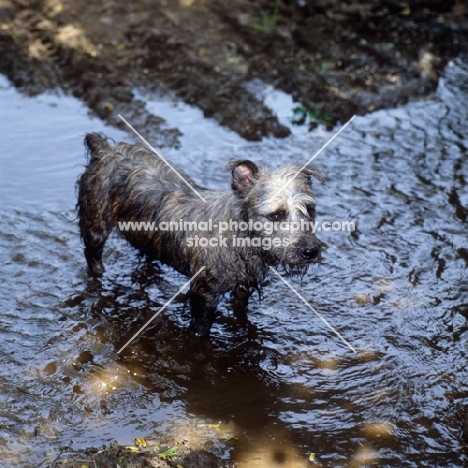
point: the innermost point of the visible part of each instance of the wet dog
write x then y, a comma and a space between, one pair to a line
236, 235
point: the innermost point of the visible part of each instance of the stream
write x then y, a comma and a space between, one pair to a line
395, 288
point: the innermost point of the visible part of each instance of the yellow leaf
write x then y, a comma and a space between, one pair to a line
140, 442
213, 426
130, 448
312, 457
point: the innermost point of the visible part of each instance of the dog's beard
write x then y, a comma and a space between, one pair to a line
296, 271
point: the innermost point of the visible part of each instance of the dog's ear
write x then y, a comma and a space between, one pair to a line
244, 175
313, 172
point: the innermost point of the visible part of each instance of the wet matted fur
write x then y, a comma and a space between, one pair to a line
129, 183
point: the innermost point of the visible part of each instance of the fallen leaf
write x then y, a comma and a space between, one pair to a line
140, 442
130, 448
213, 426
169, 453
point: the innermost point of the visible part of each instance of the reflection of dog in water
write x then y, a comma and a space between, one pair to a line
236, 235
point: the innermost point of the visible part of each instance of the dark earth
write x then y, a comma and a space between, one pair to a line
337, 58
115, 455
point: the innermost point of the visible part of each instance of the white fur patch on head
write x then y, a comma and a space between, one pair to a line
276, 192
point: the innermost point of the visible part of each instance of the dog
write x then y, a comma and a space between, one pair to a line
236, 235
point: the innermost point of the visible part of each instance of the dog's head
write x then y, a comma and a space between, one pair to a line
280, 210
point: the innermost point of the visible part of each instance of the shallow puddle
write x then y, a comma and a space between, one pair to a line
395, 289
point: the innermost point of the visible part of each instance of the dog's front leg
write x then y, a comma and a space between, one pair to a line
203, 305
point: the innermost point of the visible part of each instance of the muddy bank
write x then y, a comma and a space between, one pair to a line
336, 58
133, 457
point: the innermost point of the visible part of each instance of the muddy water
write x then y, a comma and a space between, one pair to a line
286, 387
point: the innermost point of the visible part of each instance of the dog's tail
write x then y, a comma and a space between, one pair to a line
95, 143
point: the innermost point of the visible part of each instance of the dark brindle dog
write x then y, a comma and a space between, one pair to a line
250, 228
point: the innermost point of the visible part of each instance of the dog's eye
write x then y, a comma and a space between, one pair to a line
279, 215
311, 210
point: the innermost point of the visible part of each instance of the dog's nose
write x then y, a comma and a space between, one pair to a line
310, 254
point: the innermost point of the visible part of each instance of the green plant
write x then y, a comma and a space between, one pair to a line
269, 20
303, 115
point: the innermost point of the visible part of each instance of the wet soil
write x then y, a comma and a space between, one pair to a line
116, 455
337, 58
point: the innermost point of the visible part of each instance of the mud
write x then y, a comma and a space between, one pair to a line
115, 455
339, 58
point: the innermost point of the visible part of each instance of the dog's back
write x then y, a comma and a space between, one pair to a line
129, 166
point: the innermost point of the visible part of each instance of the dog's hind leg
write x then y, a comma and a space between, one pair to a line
94, 244
94, 210
94, 232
